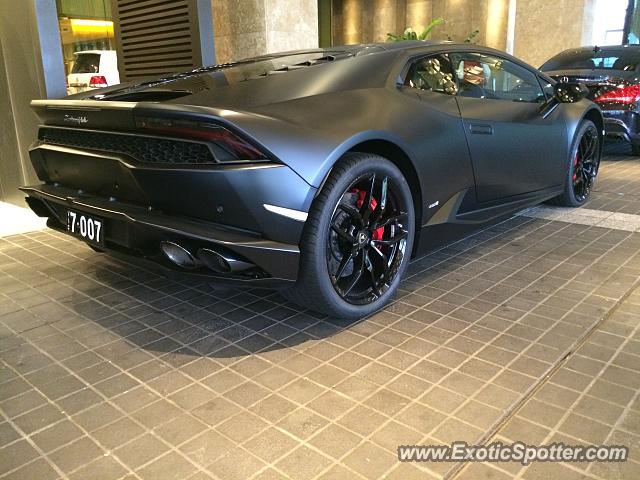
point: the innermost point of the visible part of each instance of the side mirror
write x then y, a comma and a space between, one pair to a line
570, 92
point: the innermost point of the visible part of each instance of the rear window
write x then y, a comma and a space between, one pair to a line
87, 63
604, 60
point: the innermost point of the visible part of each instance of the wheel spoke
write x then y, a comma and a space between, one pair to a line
365, 209
588, 145
344, 235
356, 275
374, 279
385, 265
352, 212
591, 150
589, 169
583, 148
382, 204
391, 220
343, 264
392, 241
383, 194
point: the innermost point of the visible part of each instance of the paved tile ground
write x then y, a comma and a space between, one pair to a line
592, 398
109, 371
17, 220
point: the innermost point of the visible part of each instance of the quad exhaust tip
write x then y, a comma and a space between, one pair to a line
222, 262
179, 255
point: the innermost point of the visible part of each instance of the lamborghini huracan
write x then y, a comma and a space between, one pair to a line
320, 172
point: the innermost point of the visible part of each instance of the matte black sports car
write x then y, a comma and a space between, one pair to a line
612, 75
320, 171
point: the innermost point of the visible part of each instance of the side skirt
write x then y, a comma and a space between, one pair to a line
453, 221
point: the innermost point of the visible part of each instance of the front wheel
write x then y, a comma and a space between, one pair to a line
582, 168
358, 239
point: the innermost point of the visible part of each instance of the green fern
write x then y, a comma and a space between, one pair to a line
411, 34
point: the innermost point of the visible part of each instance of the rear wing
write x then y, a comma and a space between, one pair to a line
120, 116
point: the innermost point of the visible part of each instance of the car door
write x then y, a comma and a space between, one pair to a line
442, 155
516, 146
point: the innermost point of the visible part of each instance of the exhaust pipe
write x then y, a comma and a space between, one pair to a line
179, 255
222, 262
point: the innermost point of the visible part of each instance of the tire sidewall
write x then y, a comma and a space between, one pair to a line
570, 195
364, 165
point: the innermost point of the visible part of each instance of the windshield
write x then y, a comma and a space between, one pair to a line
626, 60
86, 63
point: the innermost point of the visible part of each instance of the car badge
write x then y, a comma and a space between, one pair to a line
78, 120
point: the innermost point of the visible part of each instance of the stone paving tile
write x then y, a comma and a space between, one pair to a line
115, 367
583, 414
618, 185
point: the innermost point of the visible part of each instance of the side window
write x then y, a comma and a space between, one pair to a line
485, 76
432, 74
549, 90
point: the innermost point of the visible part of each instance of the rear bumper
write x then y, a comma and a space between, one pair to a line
136, 232
622, 124
225, 194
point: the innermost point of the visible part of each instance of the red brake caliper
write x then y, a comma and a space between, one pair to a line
377, 233
575, 164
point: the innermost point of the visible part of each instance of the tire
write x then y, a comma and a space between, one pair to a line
322, 247
635, 149
582, 167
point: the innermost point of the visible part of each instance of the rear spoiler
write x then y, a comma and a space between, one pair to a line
117, 115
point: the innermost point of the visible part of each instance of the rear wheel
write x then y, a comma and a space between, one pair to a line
635, 149
358, 239
583, 166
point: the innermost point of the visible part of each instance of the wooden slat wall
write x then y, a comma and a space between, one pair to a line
156, 37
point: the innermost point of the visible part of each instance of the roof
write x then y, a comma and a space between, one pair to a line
604, 48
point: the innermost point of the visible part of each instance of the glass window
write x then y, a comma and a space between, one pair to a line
485, 76
86, 63
85, 26
432, 74
548, 88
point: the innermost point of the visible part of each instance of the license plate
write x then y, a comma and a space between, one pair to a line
86, 227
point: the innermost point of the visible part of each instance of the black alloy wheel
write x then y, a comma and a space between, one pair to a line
585, 164
582, 167
367, 239
358, 239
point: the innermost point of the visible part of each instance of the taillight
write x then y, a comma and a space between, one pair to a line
625, 95
227, 146
98, 81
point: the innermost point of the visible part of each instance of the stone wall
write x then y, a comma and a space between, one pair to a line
363, 21
544, 28
541, 29
246, 28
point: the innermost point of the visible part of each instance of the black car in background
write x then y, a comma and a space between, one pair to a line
612, 75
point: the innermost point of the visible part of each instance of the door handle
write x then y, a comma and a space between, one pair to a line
479, 129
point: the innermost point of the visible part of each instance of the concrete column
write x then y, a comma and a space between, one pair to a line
385, 19
246, 28
291, 24
31, 67
419, 13
562, 25
352, 14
